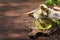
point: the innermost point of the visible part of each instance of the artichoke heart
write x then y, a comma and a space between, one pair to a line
42, 24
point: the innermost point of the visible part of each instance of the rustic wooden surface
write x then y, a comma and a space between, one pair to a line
13, 25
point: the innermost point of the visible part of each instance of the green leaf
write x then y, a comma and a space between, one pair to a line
58, 1
50, 3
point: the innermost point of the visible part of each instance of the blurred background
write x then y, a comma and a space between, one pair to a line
13, 25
